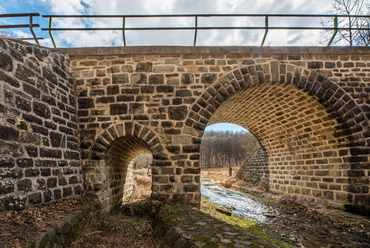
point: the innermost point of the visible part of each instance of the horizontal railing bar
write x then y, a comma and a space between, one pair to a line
192, 28
37, 38
20, 26
19, 15
202, 15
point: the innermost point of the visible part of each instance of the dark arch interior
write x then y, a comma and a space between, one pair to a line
120, 164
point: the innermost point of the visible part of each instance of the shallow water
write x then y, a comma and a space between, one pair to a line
302, 230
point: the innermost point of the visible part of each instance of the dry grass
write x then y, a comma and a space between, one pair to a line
222, 176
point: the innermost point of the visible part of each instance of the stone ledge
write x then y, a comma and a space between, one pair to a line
175, 50
186, 226
68, 229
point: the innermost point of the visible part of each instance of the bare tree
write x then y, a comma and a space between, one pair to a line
348, 8
226, 149
7, 33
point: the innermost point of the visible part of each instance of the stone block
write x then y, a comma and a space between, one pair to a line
24, 185
120, 79
85, 103
144, 67
8, 133
35, 198
156, 79
136, 108
6, 62
6, 187
118, 109
177, 113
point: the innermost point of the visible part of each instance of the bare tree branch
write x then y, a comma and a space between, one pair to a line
347, 8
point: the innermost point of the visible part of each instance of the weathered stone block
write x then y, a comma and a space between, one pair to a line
35, 198
120, 79
8, 133
177, 113
113, 90
85, 103
6, 187
156, 79
24, 185
118, 109
144, 67
7, 163
187, 78
136, 108
6, 62
208, 78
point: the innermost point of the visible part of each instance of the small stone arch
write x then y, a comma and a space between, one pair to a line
110, 156
336, 177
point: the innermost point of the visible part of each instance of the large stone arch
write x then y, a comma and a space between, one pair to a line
109, 157
333, 167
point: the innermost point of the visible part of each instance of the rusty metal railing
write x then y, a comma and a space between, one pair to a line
30, 25
267, 27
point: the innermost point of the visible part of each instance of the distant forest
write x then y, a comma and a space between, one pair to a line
226, 149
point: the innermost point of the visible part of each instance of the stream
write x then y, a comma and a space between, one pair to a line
302, 230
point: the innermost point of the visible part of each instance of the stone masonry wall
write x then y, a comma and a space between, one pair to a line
308, 107
255, 168
39, 142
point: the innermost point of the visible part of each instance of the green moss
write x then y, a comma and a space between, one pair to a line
236, 220
86, 207
263, 235
173, 220
174, 209
242, 224
209, 243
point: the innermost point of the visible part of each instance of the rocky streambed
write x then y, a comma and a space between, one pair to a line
290, 224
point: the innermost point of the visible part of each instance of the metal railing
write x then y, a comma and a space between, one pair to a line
267, 21
30, 25
266, 27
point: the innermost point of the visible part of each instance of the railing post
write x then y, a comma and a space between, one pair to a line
31, 29
335, 31
266, 30
123, 31
196, 31
51, 32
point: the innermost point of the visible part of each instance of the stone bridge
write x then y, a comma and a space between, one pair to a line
73, 119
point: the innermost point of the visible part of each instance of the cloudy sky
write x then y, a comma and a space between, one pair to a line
151, 7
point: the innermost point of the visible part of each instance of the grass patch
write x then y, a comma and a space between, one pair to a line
242, 224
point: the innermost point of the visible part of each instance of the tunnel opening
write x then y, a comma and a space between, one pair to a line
225, 149
128, 163
302, 140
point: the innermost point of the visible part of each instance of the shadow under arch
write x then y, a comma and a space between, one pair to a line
313, 132
106, 168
